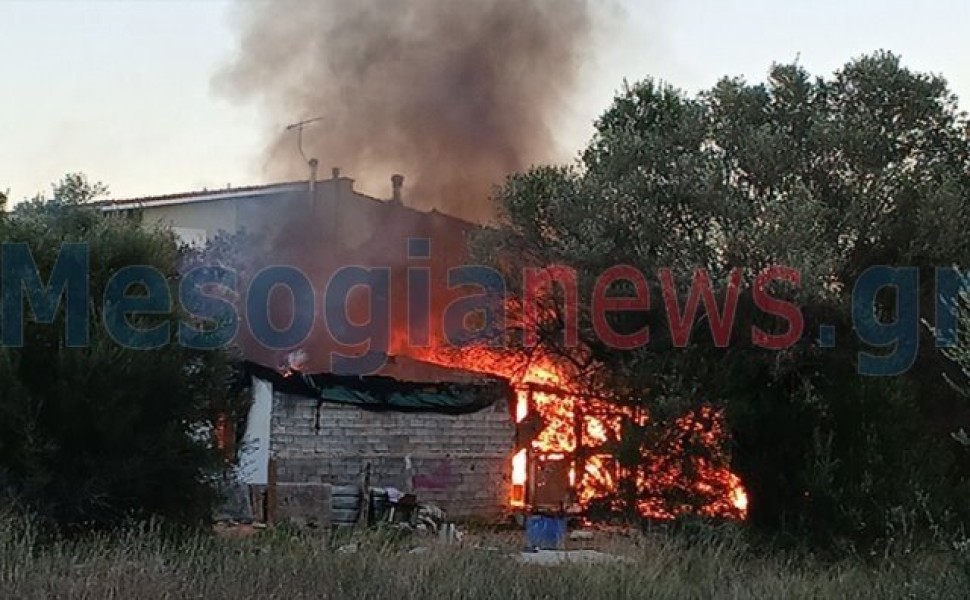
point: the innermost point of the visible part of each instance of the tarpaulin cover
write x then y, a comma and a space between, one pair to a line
379, 392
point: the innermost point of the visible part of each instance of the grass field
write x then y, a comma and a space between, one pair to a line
277, 564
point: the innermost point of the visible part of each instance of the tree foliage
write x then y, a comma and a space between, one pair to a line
98, 435
829, 176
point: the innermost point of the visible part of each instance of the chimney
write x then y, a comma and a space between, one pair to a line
335, 172
312, 195
314, 163
397, 183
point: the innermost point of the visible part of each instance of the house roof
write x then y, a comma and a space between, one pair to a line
404, 368
250, 191
447, 391
204, 195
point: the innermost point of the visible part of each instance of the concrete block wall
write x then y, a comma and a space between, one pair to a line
303, 503
460, 463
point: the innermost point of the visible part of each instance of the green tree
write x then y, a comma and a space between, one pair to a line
74, 189
829, 176
98, 435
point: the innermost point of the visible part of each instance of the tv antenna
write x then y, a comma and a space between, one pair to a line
299, 134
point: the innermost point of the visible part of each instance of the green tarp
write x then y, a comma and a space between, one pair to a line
377, 392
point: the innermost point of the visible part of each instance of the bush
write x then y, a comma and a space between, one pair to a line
839, 458
99, 435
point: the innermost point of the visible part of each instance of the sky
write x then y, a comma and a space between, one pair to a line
122, 90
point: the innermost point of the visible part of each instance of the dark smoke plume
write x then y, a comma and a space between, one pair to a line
455, 94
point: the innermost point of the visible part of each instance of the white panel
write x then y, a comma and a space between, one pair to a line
254, 462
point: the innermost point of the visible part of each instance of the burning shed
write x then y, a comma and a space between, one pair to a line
483, 428
445, 434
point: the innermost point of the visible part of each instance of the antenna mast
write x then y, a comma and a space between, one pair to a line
312, 162
299, 134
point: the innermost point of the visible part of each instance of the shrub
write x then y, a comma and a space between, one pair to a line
99, 435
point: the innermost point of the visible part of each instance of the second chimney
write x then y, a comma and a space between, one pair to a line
397, 183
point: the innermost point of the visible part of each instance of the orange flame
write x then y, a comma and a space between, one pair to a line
691, 463
519, 464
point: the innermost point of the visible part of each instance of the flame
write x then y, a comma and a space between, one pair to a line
689, 464
739, 498
521, 407
519, 464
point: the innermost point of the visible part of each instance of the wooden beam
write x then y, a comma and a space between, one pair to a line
579, 455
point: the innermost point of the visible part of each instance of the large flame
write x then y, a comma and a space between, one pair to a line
690, 464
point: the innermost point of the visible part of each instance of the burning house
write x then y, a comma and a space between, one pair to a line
421, 422
476, 430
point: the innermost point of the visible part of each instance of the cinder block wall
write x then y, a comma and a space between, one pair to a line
460, 463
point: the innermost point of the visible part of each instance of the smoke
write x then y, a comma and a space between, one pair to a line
454, 94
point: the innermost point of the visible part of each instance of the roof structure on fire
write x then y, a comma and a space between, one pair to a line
404, 384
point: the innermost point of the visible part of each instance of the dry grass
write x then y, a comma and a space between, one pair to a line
276, 564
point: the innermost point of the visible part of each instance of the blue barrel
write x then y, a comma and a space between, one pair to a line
545, 533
